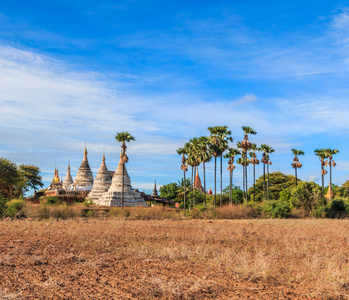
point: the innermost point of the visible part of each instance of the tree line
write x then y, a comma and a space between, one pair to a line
201, 150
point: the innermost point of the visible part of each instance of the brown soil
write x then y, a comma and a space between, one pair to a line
118, 259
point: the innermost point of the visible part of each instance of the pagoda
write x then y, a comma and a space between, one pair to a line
84, 177
101, 183
56, 183
68, 180
113, 196
197, 182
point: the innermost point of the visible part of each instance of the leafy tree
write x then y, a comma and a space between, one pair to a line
265, 160
254, 162
307, 195
123, 137
9, 177
236, 194
343, 191
170, 191
277, 209
278, 182
15, 181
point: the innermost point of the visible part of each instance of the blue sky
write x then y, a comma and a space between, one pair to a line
165, 71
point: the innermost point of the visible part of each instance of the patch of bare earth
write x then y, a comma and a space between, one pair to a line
120, 259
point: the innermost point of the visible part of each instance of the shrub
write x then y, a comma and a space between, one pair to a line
338, 208
277, 209
50, 200
285, 196
239, 211
2, 206
307, 195
15, 208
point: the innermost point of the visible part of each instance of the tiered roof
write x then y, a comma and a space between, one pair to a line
84, 177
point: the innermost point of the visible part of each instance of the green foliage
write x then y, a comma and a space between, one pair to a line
285, 196
338, 208
237, 194
277, 209
277, 183
15, 181
50, 200
174, 190
2, 206
343, 191
14, 208
307, 195
9, 177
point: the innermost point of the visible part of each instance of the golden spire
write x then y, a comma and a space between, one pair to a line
68, 164
103, 159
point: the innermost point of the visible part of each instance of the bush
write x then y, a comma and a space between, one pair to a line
51, 200
2, 206
277, 209
338, 208
307, 195
15, 208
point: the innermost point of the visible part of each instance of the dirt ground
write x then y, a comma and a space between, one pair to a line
118, 259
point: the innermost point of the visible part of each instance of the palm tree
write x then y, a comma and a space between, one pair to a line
330, 153
204, 156
219, 138
123, 137
193, 150
245, 145
322, 156
265, 160
296, 164
232, 152
244, 161
184, 167
254, 162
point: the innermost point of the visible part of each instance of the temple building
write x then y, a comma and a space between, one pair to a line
84, 177
197, 182
56, 183
113, 196
68, 180
101, 183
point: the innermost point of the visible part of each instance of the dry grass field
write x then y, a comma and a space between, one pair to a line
174, 259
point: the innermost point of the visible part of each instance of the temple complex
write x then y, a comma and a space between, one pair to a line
101, 183
105, 189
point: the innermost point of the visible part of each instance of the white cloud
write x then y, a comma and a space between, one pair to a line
249, 97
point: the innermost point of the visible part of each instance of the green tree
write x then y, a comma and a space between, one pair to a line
307, 195
30, 178
244, 162
236, 194
278, 182
123, 137
296, 164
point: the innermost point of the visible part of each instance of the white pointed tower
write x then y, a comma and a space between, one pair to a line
68, 180
101, 183
84, 177
113, 196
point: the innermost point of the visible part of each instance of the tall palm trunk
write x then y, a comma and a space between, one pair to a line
123, 184
215, 181
295, 170
220, 201
268, 181
323, 180
184, 187
204, 181
243, 183
330, 178
254, 183
264, 180
230, 188
246, 182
